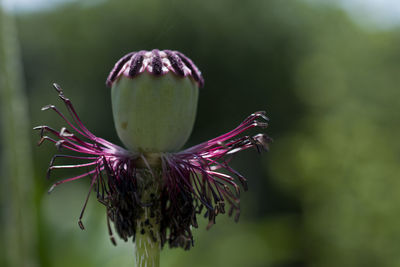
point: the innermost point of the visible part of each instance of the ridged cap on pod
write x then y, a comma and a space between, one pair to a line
155, 62
154, 99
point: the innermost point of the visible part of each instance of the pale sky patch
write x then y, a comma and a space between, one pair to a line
383, 13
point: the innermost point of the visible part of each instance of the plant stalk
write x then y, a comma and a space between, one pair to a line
147, 241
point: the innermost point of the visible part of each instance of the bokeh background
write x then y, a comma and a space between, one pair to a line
326, 72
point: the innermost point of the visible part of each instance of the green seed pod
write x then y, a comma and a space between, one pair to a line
154, 100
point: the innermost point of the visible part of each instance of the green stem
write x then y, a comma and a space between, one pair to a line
147, 250
147, 241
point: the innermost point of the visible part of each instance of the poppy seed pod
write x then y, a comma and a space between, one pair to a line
154, 99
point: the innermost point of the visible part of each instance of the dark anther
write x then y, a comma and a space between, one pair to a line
237, 216
81, 225
113, 241
41, 140
230, 211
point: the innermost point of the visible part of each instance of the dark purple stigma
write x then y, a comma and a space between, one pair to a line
120, 63
136, 64
155, 62
176, 62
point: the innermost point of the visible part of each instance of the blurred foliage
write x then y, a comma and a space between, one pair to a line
17, 216
327, 192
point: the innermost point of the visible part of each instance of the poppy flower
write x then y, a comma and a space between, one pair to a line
152, 190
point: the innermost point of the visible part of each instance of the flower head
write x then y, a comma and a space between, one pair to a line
166, 189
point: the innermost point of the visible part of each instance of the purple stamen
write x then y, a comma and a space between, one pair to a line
192, 178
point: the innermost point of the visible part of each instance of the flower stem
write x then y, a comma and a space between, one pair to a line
147, 251
148, 243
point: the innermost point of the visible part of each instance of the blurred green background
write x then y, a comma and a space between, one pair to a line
327, 194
